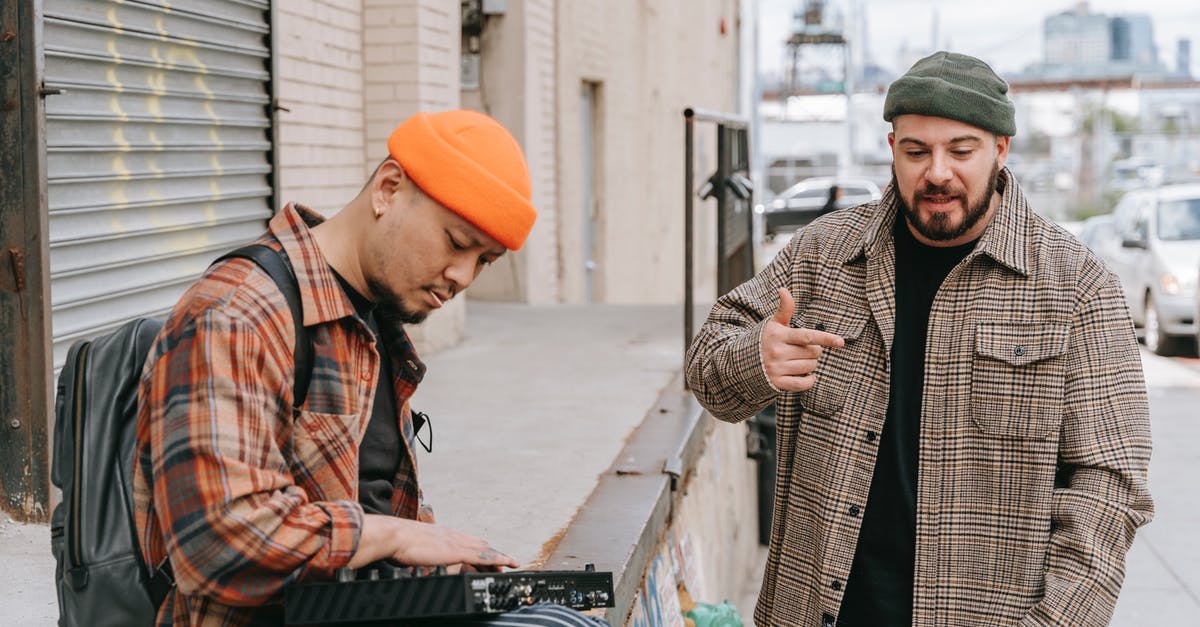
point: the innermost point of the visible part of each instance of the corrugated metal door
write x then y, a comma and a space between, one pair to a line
157, 149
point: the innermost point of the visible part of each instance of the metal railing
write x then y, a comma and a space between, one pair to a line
730, 185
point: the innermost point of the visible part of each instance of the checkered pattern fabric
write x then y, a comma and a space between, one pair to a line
1035, 433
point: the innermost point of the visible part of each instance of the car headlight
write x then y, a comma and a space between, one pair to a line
1170, 283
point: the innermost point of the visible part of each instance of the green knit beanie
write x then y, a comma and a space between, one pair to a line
954, 86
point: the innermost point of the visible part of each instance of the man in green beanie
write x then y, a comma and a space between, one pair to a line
962, 425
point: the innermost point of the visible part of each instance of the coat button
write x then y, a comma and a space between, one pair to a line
854, 510
820, 326
1019, 350
836, 585
871, 435
827, 620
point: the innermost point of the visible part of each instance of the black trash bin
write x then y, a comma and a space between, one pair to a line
761, 448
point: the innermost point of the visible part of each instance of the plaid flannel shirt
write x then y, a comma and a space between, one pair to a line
1032, 373
244, 498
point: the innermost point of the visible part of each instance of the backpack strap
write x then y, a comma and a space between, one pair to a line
277, 264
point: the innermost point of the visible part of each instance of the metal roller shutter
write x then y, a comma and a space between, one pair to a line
157, 150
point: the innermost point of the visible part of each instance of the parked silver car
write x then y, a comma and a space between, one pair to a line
1157, 262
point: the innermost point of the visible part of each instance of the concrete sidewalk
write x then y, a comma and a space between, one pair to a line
1162, 578
528, 410
532, 406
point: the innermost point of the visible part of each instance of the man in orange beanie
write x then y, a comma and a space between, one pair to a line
244, 485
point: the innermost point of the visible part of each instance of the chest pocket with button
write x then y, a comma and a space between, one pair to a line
320, 445
1017, 375
839, 368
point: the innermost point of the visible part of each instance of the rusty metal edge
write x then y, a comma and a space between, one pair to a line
28, 408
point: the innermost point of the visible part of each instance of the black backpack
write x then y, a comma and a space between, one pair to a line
100, 575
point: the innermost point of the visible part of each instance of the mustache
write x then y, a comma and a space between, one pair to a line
939, 190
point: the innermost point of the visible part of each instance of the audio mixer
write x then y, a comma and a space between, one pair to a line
378, 596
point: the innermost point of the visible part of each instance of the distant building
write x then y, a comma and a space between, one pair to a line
1077, 38
1133, 40
1079, 44
1183, 58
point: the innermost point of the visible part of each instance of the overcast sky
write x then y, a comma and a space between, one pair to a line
1005, 33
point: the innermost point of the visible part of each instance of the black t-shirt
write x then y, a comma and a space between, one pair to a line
379, 453
880, 587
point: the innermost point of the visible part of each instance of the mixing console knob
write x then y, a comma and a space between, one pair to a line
344, 574
589, 567
440, 570
373, 574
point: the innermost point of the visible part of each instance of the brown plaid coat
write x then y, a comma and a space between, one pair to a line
1032, 372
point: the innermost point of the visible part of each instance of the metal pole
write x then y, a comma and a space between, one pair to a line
721, 192
688, 225
848, 92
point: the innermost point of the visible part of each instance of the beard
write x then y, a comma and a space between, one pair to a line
939, 227
391, 306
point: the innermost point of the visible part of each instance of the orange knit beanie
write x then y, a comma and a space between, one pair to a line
466, 161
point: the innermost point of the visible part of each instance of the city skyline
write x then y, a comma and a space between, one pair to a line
1007, 36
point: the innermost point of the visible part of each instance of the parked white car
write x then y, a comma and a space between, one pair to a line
1158, 260
805, 201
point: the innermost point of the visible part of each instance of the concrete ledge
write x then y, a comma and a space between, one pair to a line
621, 525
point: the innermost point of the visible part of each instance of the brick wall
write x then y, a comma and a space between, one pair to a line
411, 53
320, 140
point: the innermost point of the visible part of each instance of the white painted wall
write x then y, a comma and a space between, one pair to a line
651, 61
